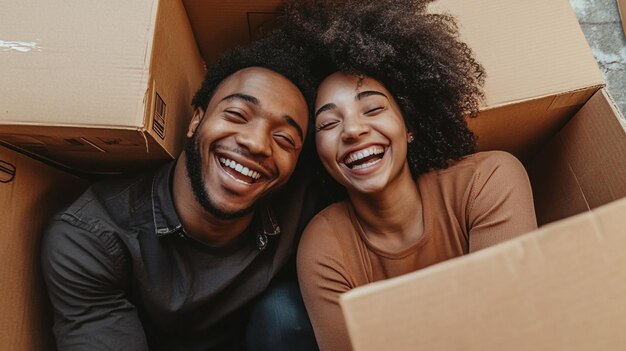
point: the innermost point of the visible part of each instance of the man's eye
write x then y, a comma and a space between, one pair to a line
234, 114
325, 125
285, 140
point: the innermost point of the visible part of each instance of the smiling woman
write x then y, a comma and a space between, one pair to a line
389, 121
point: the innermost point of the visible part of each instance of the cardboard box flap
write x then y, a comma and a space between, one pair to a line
97, 49
577, 170
558, 288
530, 49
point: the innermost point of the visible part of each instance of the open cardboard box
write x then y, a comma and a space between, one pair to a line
64, 90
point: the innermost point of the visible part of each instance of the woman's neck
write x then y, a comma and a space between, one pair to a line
392, 218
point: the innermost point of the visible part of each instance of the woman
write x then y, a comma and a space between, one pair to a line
390, 128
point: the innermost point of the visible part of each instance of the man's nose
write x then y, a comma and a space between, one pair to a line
256, 138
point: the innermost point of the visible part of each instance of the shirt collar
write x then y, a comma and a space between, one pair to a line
166, 221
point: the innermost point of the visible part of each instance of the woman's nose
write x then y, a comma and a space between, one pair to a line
354, 127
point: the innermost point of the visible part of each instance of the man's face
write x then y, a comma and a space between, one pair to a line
247, 142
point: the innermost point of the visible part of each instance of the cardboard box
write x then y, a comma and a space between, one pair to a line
561, 287
98, 86
30, 192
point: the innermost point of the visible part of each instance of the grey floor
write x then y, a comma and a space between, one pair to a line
600, 21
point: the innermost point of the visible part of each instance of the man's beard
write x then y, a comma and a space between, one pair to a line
194, 173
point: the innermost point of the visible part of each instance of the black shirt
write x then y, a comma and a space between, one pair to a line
122, 274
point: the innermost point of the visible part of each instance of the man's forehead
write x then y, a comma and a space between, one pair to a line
254, 78
264, 88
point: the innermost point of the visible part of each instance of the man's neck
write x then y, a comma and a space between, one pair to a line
197, 221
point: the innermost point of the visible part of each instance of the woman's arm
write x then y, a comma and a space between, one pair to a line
322, 278
501, 206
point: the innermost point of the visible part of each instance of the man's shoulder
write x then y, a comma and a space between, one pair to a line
114, 200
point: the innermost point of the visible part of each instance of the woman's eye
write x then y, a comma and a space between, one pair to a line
325, 125
374, 110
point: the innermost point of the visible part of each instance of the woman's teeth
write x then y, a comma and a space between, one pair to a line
364, 158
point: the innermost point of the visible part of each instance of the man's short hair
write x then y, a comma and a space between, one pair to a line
278, 52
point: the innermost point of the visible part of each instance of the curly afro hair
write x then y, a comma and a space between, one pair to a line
417, 55
277, 51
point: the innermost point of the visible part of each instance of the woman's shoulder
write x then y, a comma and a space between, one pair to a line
486, 160
480, 163
327, 234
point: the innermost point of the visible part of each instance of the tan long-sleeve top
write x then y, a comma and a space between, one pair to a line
480, 200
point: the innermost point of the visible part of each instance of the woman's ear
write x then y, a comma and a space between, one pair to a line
410, 137
195, 121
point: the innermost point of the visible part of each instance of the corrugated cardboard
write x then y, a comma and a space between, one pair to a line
114, 79
584, 165
561, 287
30, 192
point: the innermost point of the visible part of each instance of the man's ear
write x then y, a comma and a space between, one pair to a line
195, 121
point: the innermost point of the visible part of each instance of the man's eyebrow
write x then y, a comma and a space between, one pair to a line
367, 93
249, 98
326, 107
293, 123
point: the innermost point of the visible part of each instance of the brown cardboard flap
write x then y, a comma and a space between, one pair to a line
90, 150
523, 128
530, 49
30, 192
584, 165
172, 87
561, 287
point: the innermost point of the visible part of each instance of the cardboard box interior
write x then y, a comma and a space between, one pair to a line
559, 288
30, 192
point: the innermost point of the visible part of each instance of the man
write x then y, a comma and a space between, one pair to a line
176, 259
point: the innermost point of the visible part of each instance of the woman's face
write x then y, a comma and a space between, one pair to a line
361, 137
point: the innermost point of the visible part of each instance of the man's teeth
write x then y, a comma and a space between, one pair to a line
240, 168
374, 150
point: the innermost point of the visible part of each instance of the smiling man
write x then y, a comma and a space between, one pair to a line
192, 256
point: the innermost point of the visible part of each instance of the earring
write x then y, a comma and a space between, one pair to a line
411, 138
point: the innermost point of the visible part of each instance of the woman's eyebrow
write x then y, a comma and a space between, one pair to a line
326, 107
367, 93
